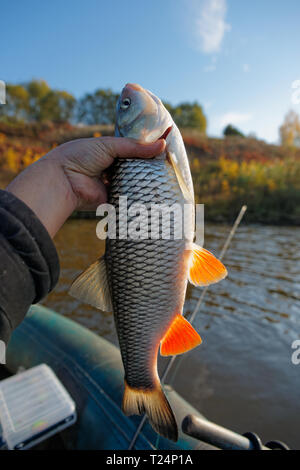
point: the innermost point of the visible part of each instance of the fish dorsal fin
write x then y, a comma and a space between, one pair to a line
180, 338
183, 186
205, 268
92, 287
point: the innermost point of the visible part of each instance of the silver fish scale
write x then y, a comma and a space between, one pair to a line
147, 278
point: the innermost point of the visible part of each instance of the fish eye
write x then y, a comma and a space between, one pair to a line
125, 103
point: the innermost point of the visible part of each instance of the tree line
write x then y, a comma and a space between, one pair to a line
35, 101
289, 131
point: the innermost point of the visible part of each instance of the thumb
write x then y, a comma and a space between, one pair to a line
91, 156
122, 147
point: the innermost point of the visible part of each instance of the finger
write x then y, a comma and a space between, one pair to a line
122, 147
90, 191
93, 155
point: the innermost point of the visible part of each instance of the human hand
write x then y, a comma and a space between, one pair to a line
69, 176
84, 160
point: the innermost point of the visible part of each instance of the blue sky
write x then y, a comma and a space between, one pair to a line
238, 58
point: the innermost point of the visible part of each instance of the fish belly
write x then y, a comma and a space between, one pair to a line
147, 277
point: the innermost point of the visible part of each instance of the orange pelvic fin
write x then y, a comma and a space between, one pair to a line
154, 403
180, 338
205, 268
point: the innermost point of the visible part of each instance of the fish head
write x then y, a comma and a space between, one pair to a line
141, 115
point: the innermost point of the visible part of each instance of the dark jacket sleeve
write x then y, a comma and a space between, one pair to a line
29, 265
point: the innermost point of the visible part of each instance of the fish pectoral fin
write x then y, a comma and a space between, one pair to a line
182, 184
153, 402
180, 338
92, 287
205, 268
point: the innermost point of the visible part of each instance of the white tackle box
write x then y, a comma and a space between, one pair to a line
33, 406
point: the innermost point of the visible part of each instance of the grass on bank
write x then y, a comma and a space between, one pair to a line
227, 173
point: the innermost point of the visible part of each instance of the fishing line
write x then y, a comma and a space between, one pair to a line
191, 320
198, 304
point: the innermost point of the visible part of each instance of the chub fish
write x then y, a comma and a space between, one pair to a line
144, 280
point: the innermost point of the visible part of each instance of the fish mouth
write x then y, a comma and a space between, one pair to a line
166, 133
134, 86
163, 136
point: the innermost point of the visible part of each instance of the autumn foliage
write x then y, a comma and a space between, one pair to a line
230, 172
227, 173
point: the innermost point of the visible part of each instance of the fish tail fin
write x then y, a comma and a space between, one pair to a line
154, 403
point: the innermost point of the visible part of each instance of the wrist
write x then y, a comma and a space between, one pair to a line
45, 188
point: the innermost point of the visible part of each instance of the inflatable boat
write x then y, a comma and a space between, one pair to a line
90, 369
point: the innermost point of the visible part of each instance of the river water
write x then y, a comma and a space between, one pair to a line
242, 375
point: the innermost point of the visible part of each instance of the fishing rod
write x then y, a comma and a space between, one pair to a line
222, 438
193, 316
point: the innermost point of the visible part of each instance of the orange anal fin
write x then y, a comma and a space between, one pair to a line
205, 268
180, 337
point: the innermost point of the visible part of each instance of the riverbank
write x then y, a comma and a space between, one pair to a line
227, 173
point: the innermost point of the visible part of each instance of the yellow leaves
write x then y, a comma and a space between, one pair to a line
223, 164
225, 186
12, 160
196, 164
15, 158
271, 185
233, 170
229, 167
2, 138
97, 134
30, 157
252, 173
36, 157
27, 158
290, 130
226, 178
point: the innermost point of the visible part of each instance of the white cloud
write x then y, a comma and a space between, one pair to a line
234, 118
246, 68
211, 25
